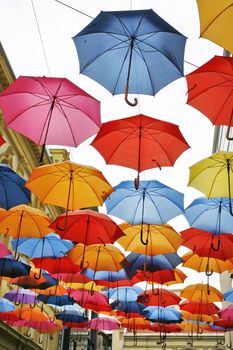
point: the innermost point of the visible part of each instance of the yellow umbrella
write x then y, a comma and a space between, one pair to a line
216, 18
89, 286
213, 175
198, 292
69, 185
193, 327
161, 239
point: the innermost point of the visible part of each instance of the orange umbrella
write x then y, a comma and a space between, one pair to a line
69, 185
199, 292
198, 317
58, 289
97, 256
193, 327
161, 239
35, 314
134, 323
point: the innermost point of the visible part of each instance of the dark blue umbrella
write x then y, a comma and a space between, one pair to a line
131, 51
29, 283
162, 314
152, 203
48, 246
12, 188
128, 308
210, 214
58, 300
153, 263
71, 316
13, 268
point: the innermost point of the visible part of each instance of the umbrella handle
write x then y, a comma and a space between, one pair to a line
32, 306
40, 340
132, 104
228, 137
17, 303
42, 153
141, 238
216, 249
39, 276
136, 182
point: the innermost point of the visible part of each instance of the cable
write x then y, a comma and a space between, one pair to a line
41, 40
72, 8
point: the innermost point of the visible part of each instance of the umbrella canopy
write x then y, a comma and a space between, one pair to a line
125, 294
104, 324
56, 265
128, 308
166, 277
165, 328
35, 314
50, 245
87, 298
46, 327
162, 314
153, 263
134, 323
122, 49
161, 239
206, 244
87, 227
198, 293
71, 316
189, 326
210, 214
6, 305
216, 21
226, 312
28, 282
58, 300
210, 89
199, 308
69, 185
13, 268
4, 251
23, 296
228, 295
12, 188
197, 317
140, 142
50, 110
97, 257
152, 203
158, 296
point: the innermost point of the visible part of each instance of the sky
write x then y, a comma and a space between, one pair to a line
50, 51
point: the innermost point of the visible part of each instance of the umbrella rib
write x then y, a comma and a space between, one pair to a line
214, 19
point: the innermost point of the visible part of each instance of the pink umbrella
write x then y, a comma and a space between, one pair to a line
3, 250
104, 324
89, 298
50, 111
226, 313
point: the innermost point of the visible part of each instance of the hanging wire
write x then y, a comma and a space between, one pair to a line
41, 40
73, 8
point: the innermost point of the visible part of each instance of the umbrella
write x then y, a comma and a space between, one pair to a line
4, 251
210, 90
152, 203
161, 239
89, 286
166, 277
12, 188
58, 300
50, 245
103, 324
127, 308
162, 314
70, 278
198, 317
206, 244
71, 316
97, 257
158, 296
213, 176
6, 305
87, 227
140, 142
23, 296
30, 282
198, 293
165, 328
226, 312
24, 221
13, 268
216, 21
228, 295
210, 214
134, 323
50, 111
153, 263
197, 307
69, 185
126, 294
87, 298
36, 314
122, 49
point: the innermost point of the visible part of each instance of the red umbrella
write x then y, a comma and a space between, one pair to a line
87, 227
158, 296
165, 328
90, 298
210, 90
140, 142
56, 265
161, 277
206, 244
199, 307
50, 111
226, 313
221, 322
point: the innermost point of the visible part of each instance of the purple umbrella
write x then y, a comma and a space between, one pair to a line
23, 296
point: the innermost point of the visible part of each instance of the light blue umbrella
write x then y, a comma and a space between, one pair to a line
50, 245
6, 305
152, 203
210, 214
228, 295
162, 314
124, 293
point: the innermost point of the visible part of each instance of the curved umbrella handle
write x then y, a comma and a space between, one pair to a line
17, 303
136, 182
132, 104
40, 340
209, 273
32, 306
141, 237
216, 249
228, 137
39, 276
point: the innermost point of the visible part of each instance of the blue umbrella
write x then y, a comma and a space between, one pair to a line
111, 276
152, 203
153, 263
210, 214
58, 300
6, 305
162, 314
228, 295
131, 51
13, 268
124, 293
71, 316
48, 246
128, 308
49, 282
12, 188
